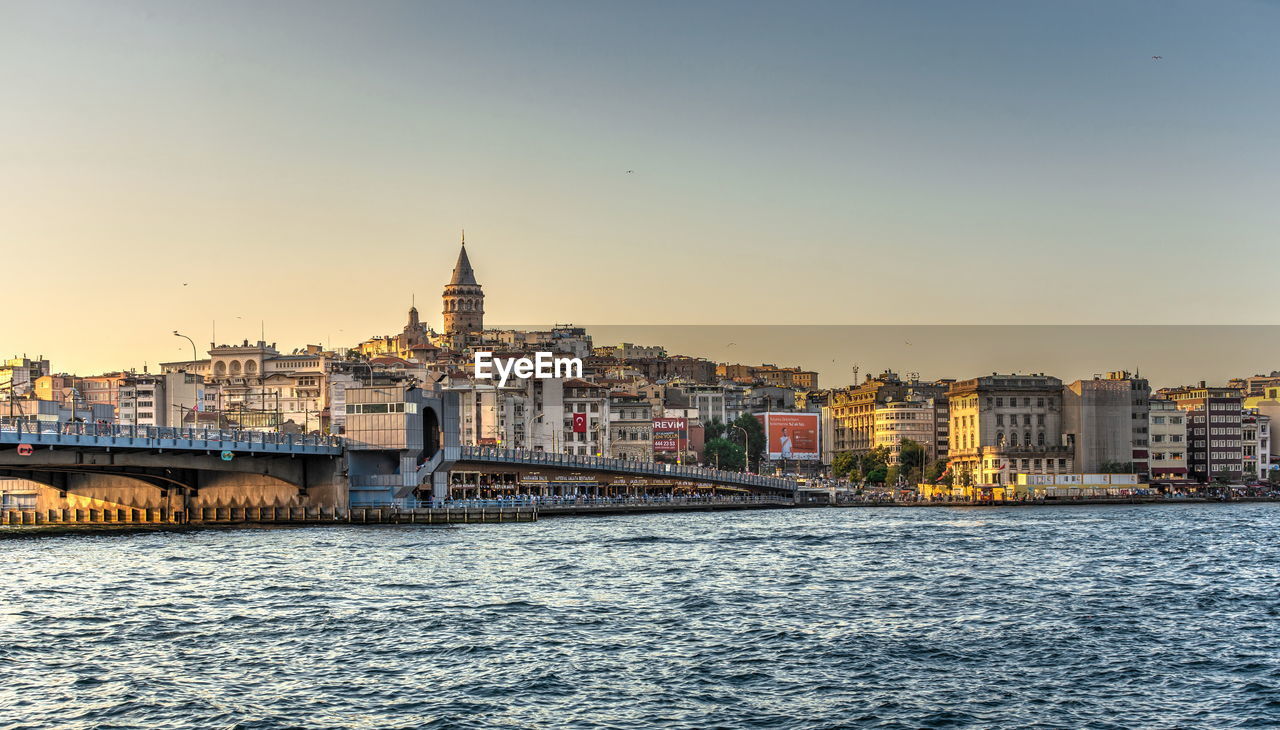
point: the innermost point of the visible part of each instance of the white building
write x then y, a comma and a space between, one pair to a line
1168, 438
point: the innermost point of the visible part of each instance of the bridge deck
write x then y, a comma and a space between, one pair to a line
486, 455
110, 436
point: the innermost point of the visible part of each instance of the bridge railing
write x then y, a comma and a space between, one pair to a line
20, 427
535, 501
602, 463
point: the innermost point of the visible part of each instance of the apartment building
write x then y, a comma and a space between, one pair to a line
1003, 425
1215, 448
1168, 437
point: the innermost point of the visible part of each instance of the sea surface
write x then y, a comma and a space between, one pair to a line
1104, 617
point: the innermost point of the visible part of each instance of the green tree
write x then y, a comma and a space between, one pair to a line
723, 453
934, 472
755, 441
843, 465
714, 430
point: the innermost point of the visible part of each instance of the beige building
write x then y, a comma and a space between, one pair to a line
1003, 425
919, 419
1105, 420
630, 427
1168, 438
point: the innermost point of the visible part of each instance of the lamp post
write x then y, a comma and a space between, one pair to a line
176, 333
746, 448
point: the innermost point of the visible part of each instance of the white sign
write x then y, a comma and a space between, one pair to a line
542, 365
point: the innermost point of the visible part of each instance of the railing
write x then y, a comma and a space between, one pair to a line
16, 429
524, 456
549, 502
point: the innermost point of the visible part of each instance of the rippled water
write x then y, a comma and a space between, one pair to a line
1155, 616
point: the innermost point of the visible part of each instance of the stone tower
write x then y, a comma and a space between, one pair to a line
463, 298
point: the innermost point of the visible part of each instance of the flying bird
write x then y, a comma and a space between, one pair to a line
1157, 58
630, 171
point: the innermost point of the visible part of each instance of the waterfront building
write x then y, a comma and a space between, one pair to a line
1007, 424
174, 399
102, 389
921, 419
254, 386
591, 403
1168, 438
1214, 449
1255, 440
18, 375
630, 427
1106, 421
852, 420
62, 388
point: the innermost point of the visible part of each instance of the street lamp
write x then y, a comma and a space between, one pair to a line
746, 447
176, 333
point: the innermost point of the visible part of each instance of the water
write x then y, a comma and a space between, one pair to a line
1109, 617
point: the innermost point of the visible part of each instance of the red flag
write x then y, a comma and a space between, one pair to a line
579, 423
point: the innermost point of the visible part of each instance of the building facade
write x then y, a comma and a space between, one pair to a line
1215, 449
1168, 438
1002, 425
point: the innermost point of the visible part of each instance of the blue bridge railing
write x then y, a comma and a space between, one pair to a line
624, 466
115, 435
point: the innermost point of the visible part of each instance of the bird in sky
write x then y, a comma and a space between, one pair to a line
731, 344
630, 171
184, 283
907, 341
1157, 58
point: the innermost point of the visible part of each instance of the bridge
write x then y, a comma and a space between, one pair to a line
416, 458
172, 470
514, 472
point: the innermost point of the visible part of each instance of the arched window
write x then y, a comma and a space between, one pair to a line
235, 367
999, 438
250, 366
1027, 438
220, 368
1013, 438
1040, 438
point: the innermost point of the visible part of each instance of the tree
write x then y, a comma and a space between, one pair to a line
911, 461
843, 465
714, 430
936, 472
755, 434
723, 453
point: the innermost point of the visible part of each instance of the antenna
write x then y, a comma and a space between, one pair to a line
855, 374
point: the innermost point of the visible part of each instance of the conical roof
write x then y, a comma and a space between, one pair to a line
463, 274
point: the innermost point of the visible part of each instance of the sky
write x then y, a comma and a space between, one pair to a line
304, 168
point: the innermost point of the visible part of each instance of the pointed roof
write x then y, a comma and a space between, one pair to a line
463, 274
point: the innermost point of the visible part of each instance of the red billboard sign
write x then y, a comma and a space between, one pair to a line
670, 434
791, 436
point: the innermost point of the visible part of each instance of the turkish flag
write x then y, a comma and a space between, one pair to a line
579, 423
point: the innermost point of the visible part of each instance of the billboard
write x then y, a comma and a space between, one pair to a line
791, 436
670, 434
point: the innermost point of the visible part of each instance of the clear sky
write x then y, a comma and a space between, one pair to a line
166, 164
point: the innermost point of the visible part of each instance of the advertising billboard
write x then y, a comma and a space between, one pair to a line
670, 434
791, 436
